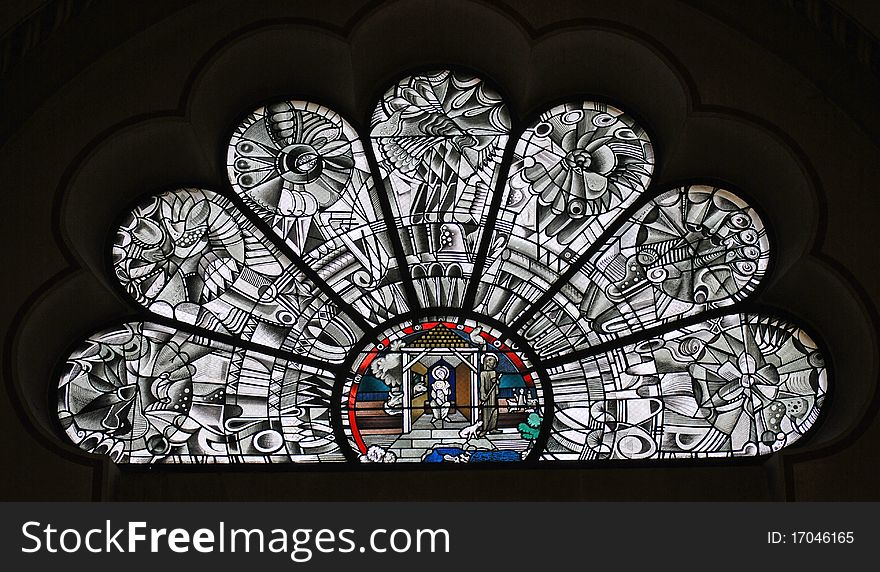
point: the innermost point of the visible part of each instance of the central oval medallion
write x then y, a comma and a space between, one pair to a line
442, 391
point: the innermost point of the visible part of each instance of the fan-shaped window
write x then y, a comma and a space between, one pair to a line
458, 290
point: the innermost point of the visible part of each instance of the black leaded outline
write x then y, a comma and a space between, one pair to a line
747, 305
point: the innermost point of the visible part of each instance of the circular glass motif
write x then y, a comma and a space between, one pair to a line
292, 158
442, 391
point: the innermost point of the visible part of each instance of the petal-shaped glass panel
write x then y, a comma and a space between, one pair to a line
738, 385
688, 250
574, 171
301, 168
190, 255
146, 393
439, 138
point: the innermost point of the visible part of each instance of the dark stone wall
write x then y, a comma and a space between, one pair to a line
128, 98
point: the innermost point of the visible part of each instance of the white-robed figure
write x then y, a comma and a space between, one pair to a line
440, 394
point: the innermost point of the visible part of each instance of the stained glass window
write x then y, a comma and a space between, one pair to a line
445, 288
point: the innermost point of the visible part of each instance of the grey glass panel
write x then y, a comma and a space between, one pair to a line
302, 169
146, 393
574, 171
439, 138
736, 386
